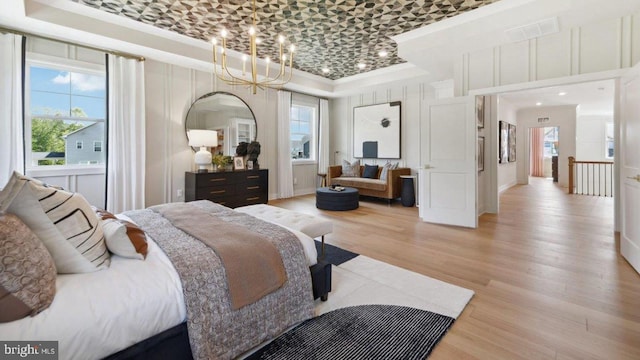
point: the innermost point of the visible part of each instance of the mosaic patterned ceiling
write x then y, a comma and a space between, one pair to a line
336, 34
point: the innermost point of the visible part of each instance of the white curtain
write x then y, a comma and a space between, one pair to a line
285, 170
323, 137
126, 142
11, 132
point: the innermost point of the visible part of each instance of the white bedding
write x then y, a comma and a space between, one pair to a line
96, 314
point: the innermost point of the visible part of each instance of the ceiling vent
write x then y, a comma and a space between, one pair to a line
534, 30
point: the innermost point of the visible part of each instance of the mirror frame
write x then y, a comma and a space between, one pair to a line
186, 130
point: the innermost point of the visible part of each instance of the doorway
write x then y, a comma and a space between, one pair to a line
544, 148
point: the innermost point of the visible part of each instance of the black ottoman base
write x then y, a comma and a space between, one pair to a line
327, 199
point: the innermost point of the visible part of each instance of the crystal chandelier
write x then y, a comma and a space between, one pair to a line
254, 81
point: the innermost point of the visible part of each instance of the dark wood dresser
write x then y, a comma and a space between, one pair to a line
228, 188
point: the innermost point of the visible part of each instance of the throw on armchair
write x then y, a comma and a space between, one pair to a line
389, 188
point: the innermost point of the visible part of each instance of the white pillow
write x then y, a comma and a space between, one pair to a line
63, 221
119, 242
351, 169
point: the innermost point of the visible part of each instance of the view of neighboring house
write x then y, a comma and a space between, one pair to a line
86, 145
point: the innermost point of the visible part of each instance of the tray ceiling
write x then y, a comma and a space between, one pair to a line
336, 34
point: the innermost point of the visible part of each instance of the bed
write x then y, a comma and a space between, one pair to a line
139, 309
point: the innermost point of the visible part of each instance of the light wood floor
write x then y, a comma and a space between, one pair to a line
548, 278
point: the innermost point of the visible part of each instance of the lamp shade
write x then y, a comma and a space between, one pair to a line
200, 138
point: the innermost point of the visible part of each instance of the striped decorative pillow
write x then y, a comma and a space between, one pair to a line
63, 221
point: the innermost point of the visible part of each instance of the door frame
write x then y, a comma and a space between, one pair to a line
492, 194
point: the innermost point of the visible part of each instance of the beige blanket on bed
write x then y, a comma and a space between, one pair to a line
252, 264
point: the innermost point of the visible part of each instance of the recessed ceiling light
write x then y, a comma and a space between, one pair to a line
538, 103
325, 70
382, 53
361, 66
562, 93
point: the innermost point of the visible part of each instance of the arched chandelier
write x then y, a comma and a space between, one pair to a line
253, 80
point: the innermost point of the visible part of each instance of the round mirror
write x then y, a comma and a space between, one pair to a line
228, 115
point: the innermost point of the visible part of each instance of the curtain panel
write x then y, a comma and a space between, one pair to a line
323, 137
285, 170
537, 152
126, 135
11, 121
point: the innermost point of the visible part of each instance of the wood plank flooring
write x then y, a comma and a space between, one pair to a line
548, 278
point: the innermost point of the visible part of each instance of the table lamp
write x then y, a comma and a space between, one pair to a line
203, 139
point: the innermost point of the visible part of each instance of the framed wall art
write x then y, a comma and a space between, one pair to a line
503, 142
512, 143
376, 131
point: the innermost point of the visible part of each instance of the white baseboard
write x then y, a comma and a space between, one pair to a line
506, 186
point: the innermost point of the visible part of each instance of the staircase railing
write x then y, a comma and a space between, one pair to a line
590, 177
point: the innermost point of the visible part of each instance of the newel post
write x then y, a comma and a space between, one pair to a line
571, 161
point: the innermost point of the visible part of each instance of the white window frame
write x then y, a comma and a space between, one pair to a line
310, 102
98, 143
79, 144
62, 64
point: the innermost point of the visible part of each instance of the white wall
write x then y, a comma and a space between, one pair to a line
507, 172
170, 90
591, 137
562, 116
600, 46
411, 95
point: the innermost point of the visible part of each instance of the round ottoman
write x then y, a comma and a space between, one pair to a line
327, 199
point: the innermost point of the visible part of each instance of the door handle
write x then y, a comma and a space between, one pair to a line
427, 166
636, 178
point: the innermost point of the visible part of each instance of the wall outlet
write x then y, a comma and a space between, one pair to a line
179, 193
295, 181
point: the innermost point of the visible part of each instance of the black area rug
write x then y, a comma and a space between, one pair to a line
333, 254
373, 332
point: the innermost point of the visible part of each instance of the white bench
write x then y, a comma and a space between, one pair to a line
307, 224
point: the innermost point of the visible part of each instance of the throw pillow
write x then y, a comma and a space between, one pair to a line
370, 171
123, 237
385, 171
351, 169
27, 271
63, 221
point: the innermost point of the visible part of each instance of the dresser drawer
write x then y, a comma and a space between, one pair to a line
231, 189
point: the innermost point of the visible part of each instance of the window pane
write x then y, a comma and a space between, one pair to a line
46, 103
49, 80
88, 85
83, 106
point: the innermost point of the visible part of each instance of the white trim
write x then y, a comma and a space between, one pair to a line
69, 64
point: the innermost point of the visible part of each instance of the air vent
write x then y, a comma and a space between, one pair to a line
534, 30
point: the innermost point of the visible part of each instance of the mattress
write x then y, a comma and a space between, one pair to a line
96, 314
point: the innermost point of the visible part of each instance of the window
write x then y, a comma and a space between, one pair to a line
551, 139
66, 106
609, 141
304, 115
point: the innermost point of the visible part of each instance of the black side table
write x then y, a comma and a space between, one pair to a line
408, 195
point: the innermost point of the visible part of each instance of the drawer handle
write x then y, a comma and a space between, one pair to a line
218, 179
253, 176
253, 187
253, 198
219, 192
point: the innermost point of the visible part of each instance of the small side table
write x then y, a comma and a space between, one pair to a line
408, 196
323, 179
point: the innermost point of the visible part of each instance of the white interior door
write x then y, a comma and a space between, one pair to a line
448, 179
630, 166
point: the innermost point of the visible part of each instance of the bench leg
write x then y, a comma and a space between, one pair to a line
322, 248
